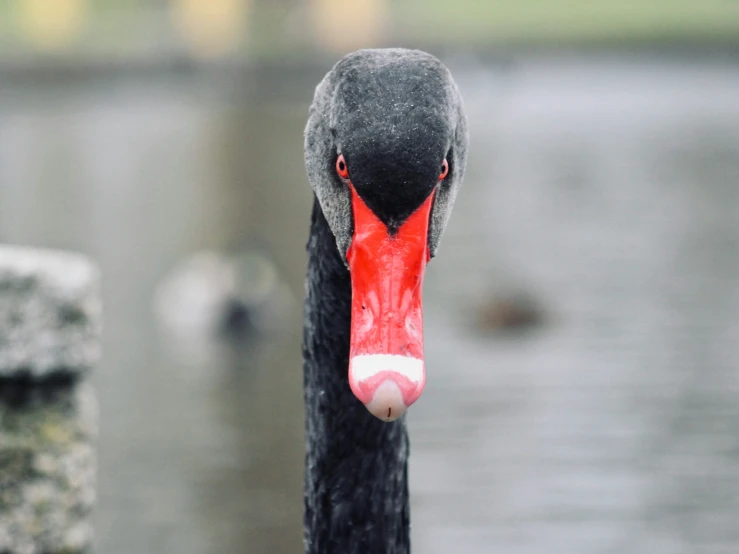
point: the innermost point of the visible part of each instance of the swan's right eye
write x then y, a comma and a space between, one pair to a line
341, 167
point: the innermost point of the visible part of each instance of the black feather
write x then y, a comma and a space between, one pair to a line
356, 474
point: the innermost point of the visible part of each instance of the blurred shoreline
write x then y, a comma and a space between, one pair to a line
76, 39
79, 69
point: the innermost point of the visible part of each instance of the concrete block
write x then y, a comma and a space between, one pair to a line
47, 472
50, 313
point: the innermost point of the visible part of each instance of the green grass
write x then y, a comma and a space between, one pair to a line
120, 27
496, 21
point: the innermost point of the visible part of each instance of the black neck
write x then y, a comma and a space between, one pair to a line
356, 474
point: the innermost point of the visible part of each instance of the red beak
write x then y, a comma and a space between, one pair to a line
386, 368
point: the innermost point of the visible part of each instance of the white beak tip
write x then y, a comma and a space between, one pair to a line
387, 402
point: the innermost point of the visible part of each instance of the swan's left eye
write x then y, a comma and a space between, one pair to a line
444, 170
341, 168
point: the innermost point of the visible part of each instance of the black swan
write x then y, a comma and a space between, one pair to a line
385, 152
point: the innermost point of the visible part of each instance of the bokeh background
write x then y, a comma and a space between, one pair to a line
582, 317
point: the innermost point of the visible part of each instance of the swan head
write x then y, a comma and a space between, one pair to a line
385, 151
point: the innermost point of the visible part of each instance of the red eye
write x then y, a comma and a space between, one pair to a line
444, 169
341, 167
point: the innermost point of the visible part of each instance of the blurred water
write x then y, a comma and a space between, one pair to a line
607, 186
